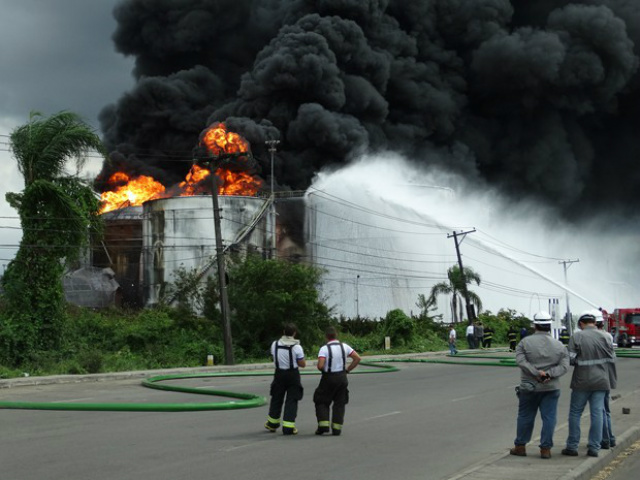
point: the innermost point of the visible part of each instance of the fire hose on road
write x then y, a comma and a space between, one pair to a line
240, 400
247, 400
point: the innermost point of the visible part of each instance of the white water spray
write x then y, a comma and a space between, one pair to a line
541, 275
379, 227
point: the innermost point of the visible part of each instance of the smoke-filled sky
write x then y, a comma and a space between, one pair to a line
54, 56
539, 98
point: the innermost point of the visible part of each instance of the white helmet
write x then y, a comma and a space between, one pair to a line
588, 315
542, 318
598, 315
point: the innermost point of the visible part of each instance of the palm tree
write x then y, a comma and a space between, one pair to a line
56, 212
456, 287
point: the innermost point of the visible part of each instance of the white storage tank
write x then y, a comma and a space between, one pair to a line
179, 233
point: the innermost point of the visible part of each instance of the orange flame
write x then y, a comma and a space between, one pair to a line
218, 140
190, 186
230, 183
130, 192
237, 183
135, 192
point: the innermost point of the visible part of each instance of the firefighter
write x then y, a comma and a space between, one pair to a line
333, 387
512, 335
288, 356
564, 336
487, 337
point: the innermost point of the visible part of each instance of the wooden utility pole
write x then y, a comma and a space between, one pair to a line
471, 313
272, 150
222, 274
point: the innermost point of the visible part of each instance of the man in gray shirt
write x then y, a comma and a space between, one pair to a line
594, 374
542, 360
608, 438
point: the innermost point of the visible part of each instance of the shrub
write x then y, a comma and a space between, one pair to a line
265, 294
399, 327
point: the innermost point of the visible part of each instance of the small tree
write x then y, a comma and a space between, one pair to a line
455, 287
399, 326
426, 306
265, 294
57, 213
187, 291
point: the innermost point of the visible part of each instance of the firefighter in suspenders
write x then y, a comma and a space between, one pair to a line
512, 335
564, 336
333, 387
487, 337
288, 356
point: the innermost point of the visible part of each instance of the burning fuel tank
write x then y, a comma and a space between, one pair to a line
121, 250
178, 233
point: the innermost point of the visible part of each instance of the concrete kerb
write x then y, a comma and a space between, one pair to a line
593, 465
141, 374
502, 466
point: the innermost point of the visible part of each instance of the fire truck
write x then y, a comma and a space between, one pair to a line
626, 322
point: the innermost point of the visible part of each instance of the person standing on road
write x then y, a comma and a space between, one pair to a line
608, 438
452, 341
471, 339
333, 387
479, 333
288, 356
542, 360
564, 336
594, 374
488, 337
512, 335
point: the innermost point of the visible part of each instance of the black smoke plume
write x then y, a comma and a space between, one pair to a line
539, 97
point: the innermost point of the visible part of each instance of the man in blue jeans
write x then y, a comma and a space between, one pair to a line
594, 374
452, 341
608, 437
542, 360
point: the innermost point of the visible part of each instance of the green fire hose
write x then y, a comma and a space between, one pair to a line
247, 400
240, 400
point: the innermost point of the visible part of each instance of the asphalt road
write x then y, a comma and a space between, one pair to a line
427, 421
625, 466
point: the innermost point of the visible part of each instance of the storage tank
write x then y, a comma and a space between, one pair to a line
121, 250
375, 251
179, 233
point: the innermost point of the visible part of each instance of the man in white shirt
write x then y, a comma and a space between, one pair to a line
287, 357
471, 339
333, 387
452, 341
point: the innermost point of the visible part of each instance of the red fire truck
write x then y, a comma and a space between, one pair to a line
626, 322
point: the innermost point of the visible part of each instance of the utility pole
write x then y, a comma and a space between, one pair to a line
272, 150
222, 275
567, 264
357, 297
471, 314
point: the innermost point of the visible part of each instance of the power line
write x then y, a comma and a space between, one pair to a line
373, 212
515, 249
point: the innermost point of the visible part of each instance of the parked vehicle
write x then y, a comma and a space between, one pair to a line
625, 324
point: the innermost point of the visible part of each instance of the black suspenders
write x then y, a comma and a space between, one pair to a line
344, 358
283, 347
